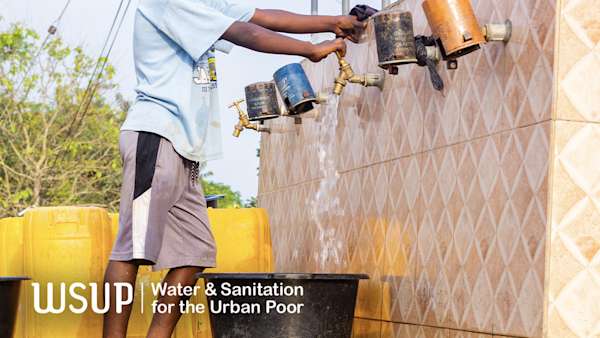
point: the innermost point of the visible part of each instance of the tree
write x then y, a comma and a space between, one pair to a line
54, 147
58, 143
251, 202
231, 199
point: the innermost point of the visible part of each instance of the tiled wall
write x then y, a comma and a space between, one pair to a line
574, 260
448, 200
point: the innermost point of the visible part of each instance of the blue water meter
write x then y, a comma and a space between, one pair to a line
295, 89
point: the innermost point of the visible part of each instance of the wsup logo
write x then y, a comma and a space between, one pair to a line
80, 299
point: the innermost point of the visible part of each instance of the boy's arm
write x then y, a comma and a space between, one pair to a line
344, 26
260, 39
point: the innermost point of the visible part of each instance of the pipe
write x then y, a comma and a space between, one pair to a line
498, 31
314, 10
345, 7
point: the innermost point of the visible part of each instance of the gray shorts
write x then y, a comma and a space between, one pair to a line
163, 220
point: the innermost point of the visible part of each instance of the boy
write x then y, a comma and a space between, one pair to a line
163, 217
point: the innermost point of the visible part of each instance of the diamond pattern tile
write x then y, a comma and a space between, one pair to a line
575, 236
394, 330
495, 89
463, 334
443, 197
579, 58
401, 242
364, 328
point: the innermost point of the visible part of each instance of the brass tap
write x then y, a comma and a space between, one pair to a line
244, 122
347, 75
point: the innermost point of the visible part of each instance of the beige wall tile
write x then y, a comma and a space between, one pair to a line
495, 89
579, 58
432, 332
396, 330
368, 257
364, 328
574, 281
399, 302
444, 194
464, 334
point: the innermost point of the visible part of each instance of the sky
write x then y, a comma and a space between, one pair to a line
86, 23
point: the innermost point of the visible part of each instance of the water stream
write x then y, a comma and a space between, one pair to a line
325, 205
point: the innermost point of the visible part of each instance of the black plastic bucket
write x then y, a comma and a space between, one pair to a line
9, 293
327, 309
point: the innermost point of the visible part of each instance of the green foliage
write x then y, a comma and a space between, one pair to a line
51, 152
251, 203
232, 199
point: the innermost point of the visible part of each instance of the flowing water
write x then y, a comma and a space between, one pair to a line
325, 205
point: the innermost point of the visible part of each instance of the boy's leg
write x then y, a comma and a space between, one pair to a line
163, 220
163, 325
115, 324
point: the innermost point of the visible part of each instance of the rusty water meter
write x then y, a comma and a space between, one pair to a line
261, 101
395, 38
397, 45
455, 24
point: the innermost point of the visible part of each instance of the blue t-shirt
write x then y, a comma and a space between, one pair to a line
174, 53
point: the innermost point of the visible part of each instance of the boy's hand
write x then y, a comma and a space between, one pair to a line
348, 27
323, 49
